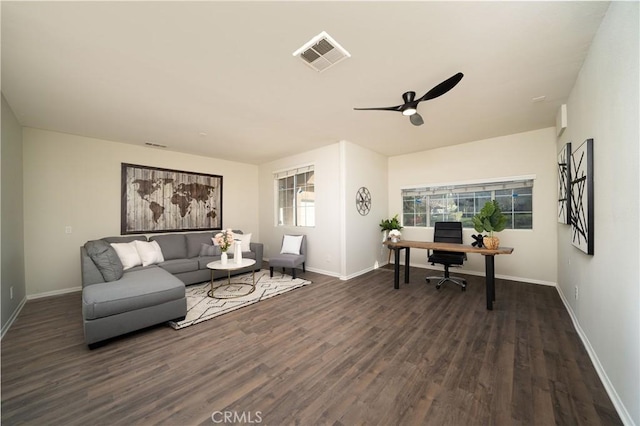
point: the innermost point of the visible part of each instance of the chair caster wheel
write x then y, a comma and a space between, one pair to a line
464, 289
428, 280
438, 287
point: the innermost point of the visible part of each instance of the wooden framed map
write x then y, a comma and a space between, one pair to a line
165, 200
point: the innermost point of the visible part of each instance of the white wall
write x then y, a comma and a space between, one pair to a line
324, 241
531, 153
75, 181
12, 246
603, 105
342, 243
363, 239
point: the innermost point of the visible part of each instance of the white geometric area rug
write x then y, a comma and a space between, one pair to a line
201, 307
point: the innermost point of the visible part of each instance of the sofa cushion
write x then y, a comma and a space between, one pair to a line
135, 290
125, 239
195, 241
178, 266
174, 246
209, 250
105, 258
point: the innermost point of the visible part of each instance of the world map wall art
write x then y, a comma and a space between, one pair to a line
164, 200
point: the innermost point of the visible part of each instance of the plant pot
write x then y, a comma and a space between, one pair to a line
492, 243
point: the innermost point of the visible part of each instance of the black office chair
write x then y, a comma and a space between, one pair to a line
447, 232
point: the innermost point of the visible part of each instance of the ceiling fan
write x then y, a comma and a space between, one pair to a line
410, 105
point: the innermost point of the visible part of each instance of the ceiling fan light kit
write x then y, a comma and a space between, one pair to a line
410, 106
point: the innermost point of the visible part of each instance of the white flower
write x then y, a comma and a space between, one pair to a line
394, 233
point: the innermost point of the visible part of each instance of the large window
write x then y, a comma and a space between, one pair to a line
295, 197
425, 206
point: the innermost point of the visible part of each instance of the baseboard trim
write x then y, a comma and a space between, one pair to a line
53, 293
323, 272
13, 317
608, 386
356, 274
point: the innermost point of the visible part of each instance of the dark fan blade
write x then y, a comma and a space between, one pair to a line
416, 119
443, 87
393, 108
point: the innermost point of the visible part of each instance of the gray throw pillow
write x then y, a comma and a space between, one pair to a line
210, 250
105, 258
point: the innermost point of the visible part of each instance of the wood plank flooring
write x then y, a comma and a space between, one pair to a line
331, 353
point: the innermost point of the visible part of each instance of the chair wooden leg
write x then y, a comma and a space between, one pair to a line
293, 273
303, 270
271, 271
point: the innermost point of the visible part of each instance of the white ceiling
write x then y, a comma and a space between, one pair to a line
219, 79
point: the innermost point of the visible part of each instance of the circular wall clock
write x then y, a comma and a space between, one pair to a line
363, 201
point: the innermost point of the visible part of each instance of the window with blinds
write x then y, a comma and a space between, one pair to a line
424, 206
295, 197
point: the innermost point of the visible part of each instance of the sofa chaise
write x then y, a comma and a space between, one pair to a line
116, 300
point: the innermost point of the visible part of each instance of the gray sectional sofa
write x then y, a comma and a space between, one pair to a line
117, 301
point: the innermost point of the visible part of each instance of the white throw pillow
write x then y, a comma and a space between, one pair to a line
291, 244
150, 252
245, 241
128, 254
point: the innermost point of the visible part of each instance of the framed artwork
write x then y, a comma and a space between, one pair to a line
564, 184
363, 201
582, 222
164, 200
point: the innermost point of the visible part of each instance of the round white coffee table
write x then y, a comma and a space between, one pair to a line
231, 265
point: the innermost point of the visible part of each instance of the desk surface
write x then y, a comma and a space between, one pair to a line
448, 247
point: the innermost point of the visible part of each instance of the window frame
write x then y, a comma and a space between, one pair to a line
299, 205
443, 194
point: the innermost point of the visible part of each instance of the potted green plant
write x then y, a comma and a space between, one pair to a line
490, 219
387, 225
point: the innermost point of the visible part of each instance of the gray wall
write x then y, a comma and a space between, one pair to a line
603, 105
12, 226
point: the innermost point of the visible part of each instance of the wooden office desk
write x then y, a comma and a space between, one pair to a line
488, 258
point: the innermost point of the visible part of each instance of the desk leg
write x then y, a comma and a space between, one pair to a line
396, 268
406, 265
490, 280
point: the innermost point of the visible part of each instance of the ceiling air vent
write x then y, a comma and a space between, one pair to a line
321, 52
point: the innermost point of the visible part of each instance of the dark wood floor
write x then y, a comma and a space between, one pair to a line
335, 353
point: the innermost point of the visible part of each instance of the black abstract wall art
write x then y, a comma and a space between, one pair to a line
564, 184
582, 220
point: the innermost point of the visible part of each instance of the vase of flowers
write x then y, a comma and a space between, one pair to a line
224, 240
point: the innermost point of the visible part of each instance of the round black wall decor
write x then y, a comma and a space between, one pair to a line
363, 201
